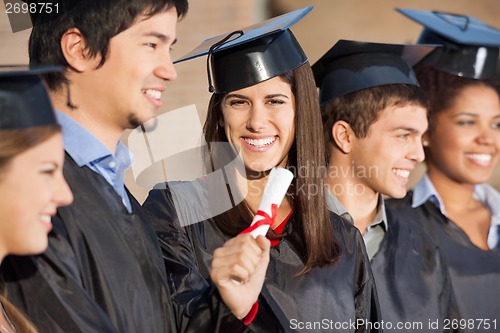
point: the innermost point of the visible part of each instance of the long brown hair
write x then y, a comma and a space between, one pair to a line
312, 230
21, 324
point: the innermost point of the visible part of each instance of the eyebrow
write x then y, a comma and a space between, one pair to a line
51, 163
277, 95
466, 114
472, 115
412, 130
245, 97
235, 96
160, 36
408, 129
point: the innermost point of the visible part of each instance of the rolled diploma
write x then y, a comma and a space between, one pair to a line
278, 181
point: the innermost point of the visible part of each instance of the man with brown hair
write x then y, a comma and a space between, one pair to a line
374, 116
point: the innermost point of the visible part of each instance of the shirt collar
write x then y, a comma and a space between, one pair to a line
484, 193
490, 198
424, 191
84, 148
381, 217
335, 206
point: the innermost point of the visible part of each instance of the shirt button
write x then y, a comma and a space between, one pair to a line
112, 164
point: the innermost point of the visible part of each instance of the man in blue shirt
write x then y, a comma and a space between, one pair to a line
103, 270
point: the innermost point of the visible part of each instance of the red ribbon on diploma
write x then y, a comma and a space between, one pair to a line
267, 220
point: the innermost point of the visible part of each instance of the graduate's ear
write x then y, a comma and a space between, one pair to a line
343, 136
75, 51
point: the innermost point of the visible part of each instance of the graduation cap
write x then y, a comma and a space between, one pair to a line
470, 47
350, 66
254, 54
24, 101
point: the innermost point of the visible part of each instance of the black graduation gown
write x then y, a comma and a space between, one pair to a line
103, 270
333, 298
413, 285
474, 273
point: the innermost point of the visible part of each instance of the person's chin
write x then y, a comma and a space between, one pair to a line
259, 170
480, 179
397, 193
391, 189
150, 124
34, 248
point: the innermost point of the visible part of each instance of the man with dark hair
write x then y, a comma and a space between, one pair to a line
103, 270
374, 116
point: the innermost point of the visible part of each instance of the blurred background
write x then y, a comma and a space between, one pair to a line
331, 20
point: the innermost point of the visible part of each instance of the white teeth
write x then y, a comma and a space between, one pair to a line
260, 142
401, 172
480, 157
45, 218
153, 93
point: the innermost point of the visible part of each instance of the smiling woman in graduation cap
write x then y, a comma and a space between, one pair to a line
31, 182
265, 106
462, 147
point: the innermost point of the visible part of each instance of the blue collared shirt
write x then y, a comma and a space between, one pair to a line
86, 150
375, 232
484, 193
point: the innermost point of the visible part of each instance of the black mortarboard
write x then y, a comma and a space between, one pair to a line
254, 54
24, 101
470, 47
350, 66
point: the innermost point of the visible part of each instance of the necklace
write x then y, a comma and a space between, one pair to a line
3, 328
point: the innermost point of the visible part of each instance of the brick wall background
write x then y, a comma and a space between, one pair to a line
370, 20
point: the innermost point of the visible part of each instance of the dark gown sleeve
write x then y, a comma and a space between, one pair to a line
198, 305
